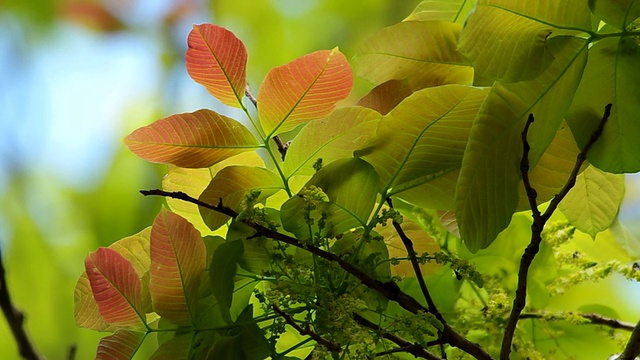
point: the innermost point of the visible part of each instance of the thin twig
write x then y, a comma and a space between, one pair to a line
388, 289
595, 319
282, 147
539, 221
416, 350
632, 350
15, 319
329, 345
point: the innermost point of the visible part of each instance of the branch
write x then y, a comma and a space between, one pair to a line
388, 289
416, 350
329, 345
632, 350
539, 221
15, 319
595, 319
282, 147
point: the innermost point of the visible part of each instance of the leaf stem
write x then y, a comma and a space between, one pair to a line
539, 221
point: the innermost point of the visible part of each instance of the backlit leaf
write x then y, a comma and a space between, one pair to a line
386, 96
593, 203
442, 10
508, 40
121, 345
222, 272
217, 59
231, 185
487, 190
184, 346
116, 288
330, 138
618, 13
86, 312
178, 258
193, 140
305, 89
422, 243
611, 76
426, 56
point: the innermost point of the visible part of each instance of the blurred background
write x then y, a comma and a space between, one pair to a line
78, 75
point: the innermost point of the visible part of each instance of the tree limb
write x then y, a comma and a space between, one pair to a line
15, 319
595, 319
539, 221
632, 350
329, 345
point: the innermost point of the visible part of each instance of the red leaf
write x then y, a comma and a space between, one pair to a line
305, 89
178, 259
122, 345
116, 288
217, 59
191, 140
86, 310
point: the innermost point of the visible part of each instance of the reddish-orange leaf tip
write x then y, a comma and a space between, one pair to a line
305, 89
122, 345
192, 140
217, 59
116, 288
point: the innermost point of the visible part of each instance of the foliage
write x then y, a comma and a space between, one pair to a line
388, 227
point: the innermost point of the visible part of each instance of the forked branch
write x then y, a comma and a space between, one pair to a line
282, 147
539, 221
329, 345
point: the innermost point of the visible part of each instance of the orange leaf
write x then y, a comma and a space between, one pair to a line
178, 258
384, 97
116, 288
217, 59
305, 89
122, 344
191, 140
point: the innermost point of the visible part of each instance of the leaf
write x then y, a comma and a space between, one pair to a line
422, 243
508, 41
222, 272
116, 288
184, 346
487, 189
350, 187
442, 10
231, 185
593, 203
427, 55
254, 345
123, 344
85, 311
423, 138
227, 348
303, 90
618, 13
135, 249
178, 258
193, 182
333, 137
217, 59
193, 140
611, 76
386, 96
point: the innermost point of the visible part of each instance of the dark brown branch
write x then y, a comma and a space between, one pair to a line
539, 221
329, 345
416, 350
15, 319
595, 319
632, 350
389, 289
282, 147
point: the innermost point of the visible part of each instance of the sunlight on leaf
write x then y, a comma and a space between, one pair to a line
384, 97
86, 310
442, 10
178, 258
217, 59
422, 243
427, 55
121, 345
305, 89
618, 13
193, 140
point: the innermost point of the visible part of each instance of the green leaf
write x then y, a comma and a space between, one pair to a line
86, 311
442, 10
193, 140
227, 348
423, 139
618, 13
593, 203
509, 41
487, 189
350, 186
222, 271
231, 185
305, 89
331, 138
427, 55
178, 258
254, 345
121, 345
611, 76
184, 346
422, 243
217, 59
